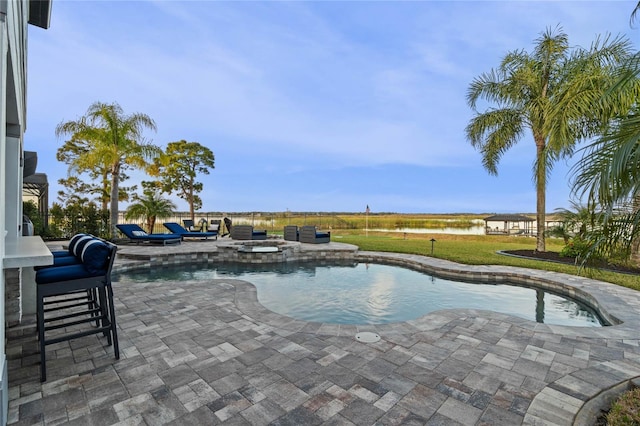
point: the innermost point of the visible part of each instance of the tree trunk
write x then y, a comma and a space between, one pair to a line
635, 243
191, 209
541, 188
103, 195
115, 183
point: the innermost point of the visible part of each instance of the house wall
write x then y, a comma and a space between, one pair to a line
4, 387
13, 57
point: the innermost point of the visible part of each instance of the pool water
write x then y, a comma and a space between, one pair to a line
377, 294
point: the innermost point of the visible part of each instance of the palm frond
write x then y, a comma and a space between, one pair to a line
494, 133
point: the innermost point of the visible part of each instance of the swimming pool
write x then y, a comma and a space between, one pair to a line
368, 293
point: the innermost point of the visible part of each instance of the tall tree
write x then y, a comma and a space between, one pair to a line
117, 140
99, 184
149, 207
76, 191
68, 153
179, 167
553, 92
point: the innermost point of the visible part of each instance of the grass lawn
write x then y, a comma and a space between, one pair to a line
474, 250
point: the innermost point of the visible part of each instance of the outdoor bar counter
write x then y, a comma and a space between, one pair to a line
25, 253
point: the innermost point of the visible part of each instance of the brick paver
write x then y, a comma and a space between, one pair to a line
206, 352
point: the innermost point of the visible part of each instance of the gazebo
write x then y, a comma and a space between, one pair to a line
509, 224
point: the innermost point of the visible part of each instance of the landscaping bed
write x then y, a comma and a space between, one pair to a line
551, 256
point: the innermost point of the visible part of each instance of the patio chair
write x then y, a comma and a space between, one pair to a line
310, 234
246, 232
137, 234
175, 228
189, 225
215, 225
291, 233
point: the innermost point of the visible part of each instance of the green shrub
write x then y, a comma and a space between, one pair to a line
625, 411
577, 247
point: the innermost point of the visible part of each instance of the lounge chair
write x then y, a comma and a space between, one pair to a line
215, 225
137, 234
291, 233
309, 234
175, 228
246, 232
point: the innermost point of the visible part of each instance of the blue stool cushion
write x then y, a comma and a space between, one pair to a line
60, 261
63, 273
61, 253
65, 261
95, 255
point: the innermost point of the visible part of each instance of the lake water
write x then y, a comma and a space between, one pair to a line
474, 230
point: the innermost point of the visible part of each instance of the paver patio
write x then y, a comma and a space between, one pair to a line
206, 352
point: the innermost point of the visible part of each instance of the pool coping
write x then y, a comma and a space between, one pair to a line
568, 400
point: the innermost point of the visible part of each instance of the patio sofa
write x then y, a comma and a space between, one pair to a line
246, 232
310, 234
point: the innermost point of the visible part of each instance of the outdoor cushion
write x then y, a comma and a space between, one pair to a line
61, 261
62, 253
74, 240
79, 245
64, 261
139, 233
95, 255
64, 273
257, 235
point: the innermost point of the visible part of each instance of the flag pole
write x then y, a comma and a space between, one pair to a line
366, 221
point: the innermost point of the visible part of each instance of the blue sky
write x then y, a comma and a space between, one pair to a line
307, 106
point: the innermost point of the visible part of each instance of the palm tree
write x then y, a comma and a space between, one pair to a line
574, 222
608, 173
553, 92
117, 141
150, 207
635, 12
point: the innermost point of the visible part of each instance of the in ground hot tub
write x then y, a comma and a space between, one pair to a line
256, 251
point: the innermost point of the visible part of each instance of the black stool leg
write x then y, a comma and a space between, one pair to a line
112, 317
40, 322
